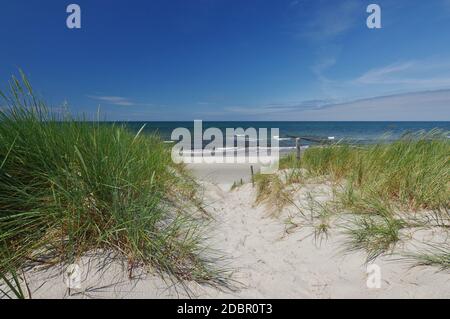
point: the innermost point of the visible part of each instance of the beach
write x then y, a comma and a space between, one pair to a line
198, 150
266, 257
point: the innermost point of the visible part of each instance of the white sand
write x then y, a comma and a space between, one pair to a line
268, 261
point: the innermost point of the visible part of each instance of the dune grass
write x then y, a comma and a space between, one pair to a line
271, 190
68, 187
412, 172
375, 184
374, 234
435, 255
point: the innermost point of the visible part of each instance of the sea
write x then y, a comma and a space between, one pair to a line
313, 132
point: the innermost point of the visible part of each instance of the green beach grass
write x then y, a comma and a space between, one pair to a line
68, 187
379, 186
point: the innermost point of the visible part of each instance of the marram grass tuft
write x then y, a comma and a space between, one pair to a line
377, 185
68, 187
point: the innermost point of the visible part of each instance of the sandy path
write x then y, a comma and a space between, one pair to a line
274, 264
267, 263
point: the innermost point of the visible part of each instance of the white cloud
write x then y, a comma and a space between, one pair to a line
380, 74
332, 19
277, 108
410, 74
408, 90
259, 110
114, 100
415, 106
418, 106
117, 100
323, 65
401, 77
324, 28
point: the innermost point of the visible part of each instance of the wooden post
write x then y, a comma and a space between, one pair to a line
297, 146
253, 179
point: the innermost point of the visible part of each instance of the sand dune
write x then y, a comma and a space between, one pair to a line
267, 259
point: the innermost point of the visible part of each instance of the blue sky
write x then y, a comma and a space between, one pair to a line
234, 59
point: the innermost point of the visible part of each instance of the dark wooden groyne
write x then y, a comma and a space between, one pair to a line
313, 139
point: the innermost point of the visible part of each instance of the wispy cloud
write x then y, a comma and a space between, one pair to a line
320, 67
114, 100
414, 106
405, 90
380, 74
325, 27
410, 74
332, 19
257, 110
399, 77
319, 70
446, 4
277, 108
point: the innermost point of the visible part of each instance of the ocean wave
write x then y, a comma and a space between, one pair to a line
243, 149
